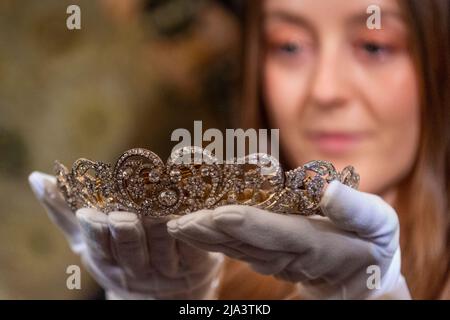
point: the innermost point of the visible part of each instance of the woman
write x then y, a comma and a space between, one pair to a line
403, 74
338, 91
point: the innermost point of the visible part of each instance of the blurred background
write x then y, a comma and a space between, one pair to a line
137, 70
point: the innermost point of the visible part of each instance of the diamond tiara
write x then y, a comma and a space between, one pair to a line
193, 179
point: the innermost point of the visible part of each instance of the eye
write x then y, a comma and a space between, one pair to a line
374, 51
287, 46
290, 48
373, 48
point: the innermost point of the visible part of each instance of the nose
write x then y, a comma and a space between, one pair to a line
328, 85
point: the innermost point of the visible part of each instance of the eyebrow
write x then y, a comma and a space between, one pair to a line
289, 18
358, 19
300, 21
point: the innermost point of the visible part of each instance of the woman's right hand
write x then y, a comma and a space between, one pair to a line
131, 258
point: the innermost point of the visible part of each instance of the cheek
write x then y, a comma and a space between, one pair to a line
396, 93
397, 112
283, 92
285, 95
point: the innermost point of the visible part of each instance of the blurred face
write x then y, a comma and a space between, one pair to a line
339, 91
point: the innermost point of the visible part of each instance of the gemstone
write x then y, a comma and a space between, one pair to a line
232, 197
168, 198
315, 187
127, 173
175, 175
215, 180
294, 179
204, 171
209, 202
349, 177
153, 176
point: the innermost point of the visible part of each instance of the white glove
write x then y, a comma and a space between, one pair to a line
131, 258
327, 256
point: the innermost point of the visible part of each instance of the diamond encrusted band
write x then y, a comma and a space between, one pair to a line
140, 182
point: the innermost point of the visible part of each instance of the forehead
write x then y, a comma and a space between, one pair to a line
328, 11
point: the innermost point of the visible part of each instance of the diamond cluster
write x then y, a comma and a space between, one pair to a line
141, 182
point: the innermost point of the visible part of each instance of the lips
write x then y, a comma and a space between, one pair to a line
336, 142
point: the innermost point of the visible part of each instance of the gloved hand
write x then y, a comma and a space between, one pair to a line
131, 258
327, 256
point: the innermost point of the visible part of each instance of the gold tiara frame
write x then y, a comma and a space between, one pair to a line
142, 183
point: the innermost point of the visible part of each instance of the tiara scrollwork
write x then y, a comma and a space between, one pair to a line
141, 182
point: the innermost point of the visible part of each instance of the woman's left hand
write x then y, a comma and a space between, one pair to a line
352, 253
